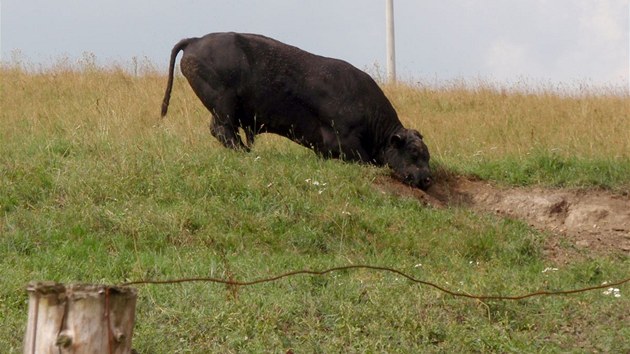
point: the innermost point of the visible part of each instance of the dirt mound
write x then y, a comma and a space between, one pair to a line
580, 222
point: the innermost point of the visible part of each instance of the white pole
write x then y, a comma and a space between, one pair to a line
0, 32
391, 55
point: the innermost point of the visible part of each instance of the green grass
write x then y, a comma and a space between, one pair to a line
550, 169
95, 188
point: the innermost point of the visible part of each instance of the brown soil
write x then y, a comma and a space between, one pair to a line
580, 223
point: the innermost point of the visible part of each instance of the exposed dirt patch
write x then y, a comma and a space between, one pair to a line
580, 222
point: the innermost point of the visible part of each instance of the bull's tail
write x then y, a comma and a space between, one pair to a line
181, 45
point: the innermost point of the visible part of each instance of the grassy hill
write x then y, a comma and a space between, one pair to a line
96, 188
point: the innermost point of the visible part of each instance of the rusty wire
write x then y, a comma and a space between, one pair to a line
231, 282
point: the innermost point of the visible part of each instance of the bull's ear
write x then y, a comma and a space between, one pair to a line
417, 133
397, 140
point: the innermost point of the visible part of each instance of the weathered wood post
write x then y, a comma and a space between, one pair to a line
79, 318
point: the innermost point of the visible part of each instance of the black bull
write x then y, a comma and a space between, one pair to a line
261, 85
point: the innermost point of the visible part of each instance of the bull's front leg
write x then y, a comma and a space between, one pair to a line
342, 146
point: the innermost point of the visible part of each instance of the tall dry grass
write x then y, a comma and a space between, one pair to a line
88, 103
95, 106
462, 122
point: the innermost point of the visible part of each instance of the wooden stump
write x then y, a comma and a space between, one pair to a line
79, 318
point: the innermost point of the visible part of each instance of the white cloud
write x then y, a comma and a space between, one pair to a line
603, 20
602, 41
563, 41
508, 59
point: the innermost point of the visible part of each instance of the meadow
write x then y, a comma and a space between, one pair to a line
96, 188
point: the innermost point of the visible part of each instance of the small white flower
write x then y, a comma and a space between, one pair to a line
612, 291
315, 183
418, 265
549, 269
257, 158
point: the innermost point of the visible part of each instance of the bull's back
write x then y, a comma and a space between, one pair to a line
259, 65
286, 88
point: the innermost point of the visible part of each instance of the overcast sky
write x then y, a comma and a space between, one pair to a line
547, 41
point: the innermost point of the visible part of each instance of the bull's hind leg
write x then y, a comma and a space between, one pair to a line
218, 100
227, 134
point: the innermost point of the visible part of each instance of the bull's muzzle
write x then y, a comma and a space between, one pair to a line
420, 180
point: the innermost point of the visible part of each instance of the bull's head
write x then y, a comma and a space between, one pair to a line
408, 156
